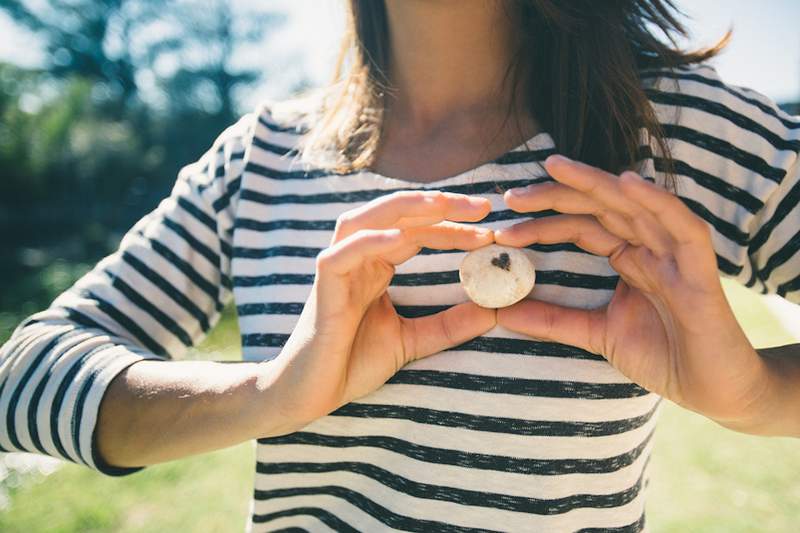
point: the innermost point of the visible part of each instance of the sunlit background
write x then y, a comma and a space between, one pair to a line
101, 103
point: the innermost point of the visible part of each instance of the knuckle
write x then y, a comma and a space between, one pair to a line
449, 330
324, 259
345, 222
701, 228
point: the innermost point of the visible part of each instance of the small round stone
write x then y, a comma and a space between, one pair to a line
497, 276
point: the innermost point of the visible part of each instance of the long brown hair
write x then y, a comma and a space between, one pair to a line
587, 92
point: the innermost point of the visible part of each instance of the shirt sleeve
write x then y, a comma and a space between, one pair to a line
735, 160
153, 298
774, 245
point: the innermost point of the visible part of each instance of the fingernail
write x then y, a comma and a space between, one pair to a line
478, 202
518, 191
630, 175
555, 158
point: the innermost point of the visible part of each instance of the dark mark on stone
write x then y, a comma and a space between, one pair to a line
502, 261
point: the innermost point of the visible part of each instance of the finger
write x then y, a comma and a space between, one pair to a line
564, 199
350, 253
409, 209
576, 327
634, 224
432, 334
682, 224
601, 186
442, 236
556, 196
395, 246
582, 230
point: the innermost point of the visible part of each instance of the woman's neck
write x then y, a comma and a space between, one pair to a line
448, 58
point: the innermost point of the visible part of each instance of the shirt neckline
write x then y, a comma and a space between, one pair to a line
539, 141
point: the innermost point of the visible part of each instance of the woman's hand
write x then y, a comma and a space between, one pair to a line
668, 326
349, 340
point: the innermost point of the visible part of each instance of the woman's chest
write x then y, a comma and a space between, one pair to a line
283, 221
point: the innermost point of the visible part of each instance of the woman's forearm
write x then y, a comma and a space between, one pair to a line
782, 417
156, 411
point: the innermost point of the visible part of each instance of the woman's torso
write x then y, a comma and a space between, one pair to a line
503, 433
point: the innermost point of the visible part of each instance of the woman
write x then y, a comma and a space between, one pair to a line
533, 417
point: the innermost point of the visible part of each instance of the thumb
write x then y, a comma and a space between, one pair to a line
577, 327
431, 334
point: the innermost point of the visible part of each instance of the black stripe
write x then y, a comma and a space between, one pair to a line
297, 129
125, 321
84, 320
365, 195
788, 204
167, 288
471, 460
58, 399
377, 511
219, 170
524, 156
428, 491
790, 286
295, 308
275, 174
716, 108
713, 183
634, 527
272, 308
494, 424
164, 320
718, 84
267, 146
193, 243
728, 267
223, 201
543, 277
11, 425
780, 257
415, 311
723, 227
518, 386
275, 251
77, 416
724, 149
186, 269
327, 518
3, 386
271, 340
273, 225
198, 214
33, 406
527, 347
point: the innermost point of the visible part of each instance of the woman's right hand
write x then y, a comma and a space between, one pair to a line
349, 340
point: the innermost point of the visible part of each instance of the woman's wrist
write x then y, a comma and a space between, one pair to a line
773, 408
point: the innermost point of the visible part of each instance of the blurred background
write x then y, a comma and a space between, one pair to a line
103, 101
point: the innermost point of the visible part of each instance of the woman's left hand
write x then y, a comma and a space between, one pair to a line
668, 326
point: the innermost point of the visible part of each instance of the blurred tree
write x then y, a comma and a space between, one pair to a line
94, 138
117, 42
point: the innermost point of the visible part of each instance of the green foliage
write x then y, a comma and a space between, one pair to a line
85, 151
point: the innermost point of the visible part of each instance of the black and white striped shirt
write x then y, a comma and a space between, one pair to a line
504, 432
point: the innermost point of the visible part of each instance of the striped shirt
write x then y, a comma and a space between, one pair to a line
504, 432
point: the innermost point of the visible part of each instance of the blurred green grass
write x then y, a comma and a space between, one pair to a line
704, 477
